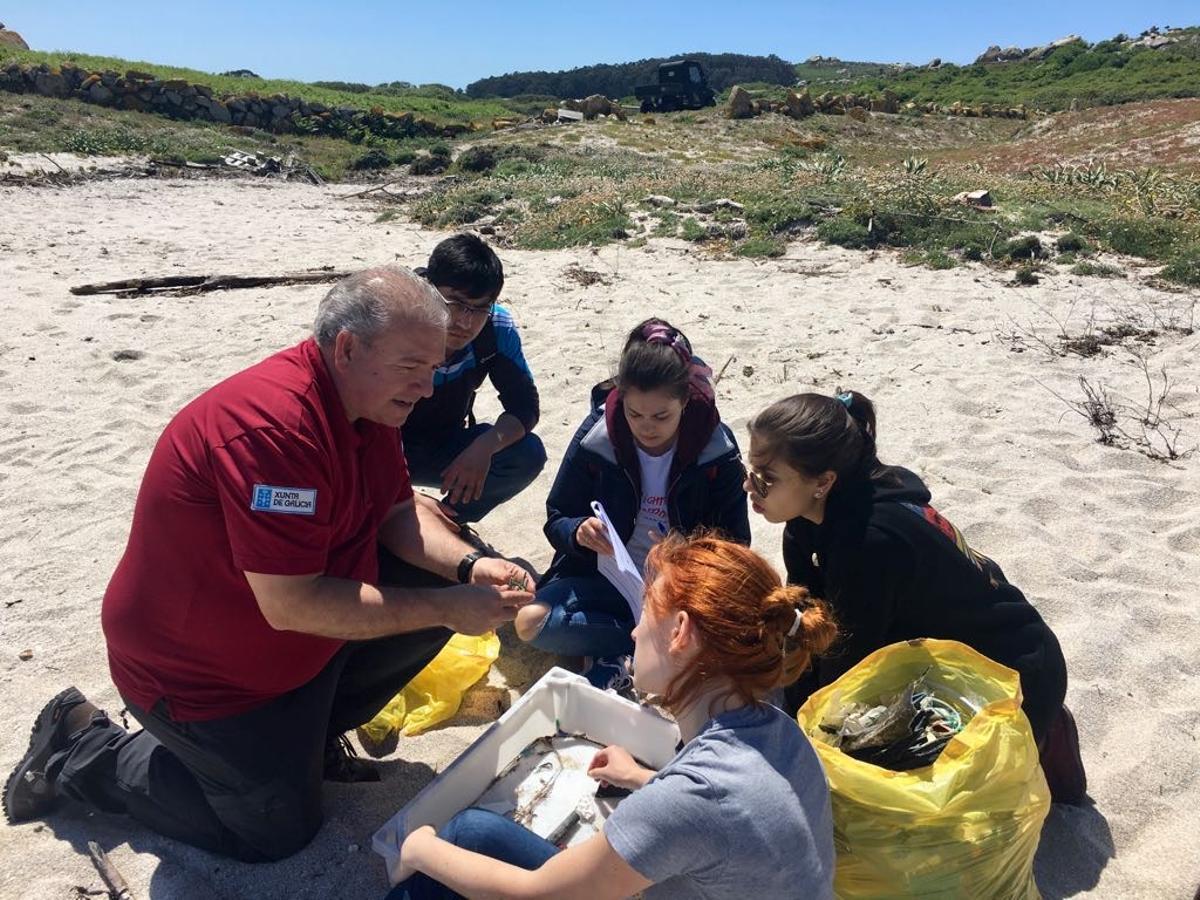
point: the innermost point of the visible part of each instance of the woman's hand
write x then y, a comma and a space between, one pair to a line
615, 765
410, 851
594, 536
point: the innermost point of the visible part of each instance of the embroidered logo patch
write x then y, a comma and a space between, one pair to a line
293, 501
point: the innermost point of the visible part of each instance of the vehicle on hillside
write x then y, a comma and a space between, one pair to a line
681, 85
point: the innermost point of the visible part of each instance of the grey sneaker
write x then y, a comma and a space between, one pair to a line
28, 793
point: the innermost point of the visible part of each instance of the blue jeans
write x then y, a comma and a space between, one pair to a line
481, 832
513, 468
588, 617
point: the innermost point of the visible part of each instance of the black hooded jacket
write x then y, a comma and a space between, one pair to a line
894, 569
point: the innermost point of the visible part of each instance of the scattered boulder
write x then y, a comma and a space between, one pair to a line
659, 201
799, 105
711, 206
240, 73
857, 113
981, 199
740, 104
935, 63
595, 105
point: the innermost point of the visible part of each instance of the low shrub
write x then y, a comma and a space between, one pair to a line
845, 232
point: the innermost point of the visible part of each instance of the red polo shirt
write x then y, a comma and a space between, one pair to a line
262, 473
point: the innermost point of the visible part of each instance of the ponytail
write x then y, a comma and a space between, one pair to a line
756, 632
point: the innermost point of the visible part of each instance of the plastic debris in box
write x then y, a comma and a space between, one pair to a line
560, 706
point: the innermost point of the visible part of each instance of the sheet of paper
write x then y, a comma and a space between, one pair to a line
619, 568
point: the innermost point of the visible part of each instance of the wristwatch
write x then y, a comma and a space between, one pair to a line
466, 564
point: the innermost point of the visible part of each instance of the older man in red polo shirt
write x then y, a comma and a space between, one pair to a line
248, 624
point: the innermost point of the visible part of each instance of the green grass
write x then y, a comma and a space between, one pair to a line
1104, 73
1184, 268
1097, 270
421, 104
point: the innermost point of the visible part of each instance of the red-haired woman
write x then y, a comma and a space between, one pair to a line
742, 809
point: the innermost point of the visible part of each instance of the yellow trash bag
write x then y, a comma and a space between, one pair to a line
966, 826
435, 694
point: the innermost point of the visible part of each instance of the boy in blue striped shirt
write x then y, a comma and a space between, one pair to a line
477, 465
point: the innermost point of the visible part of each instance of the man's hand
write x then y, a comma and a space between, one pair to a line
503, 574
477, 609
464, 478
614, 765
594, 536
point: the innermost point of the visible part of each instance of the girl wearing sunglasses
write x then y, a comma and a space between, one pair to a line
654, 452
864, 537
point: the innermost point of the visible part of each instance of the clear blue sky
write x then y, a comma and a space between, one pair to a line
458, 42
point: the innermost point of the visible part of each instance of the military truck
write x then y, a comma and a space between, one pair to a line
681, 85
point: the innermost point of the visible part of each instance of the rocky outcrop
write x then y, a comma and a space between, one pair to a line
595, 105
180, 99
12, 39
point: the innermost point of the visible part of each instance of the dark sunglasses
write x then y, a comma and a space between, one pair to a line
761, 486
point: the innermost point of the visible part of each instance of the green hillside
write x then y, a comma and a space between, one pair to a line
1100, 74
427, 104
825, 70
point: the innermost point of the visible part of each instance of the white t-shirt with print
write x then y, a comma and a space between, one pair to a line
652, 516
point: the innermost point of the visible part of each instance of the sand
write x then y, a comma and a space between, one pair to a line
1104, 541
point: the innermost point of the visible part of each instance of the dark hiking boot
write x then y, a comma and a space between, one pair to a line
29, 793
343, 764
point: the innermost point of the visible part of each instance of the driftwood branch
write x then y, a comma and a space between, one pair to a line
198, 284
117, 888
371, 190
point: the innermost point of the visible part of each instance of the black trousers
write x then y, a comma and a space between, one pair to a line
245, 786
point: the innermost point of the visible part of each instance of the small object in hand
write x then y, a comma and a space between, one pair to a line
518, 583
117, 888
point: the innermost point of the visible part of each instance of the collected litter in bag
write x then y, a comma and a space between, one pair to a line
436, 693
965, 825
903, 733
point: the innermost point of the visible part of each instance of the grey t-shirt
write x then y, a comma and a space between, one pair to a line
742, 811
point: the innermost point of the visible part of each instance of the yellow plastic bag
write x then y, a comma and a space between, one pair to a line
966, 826
435, 694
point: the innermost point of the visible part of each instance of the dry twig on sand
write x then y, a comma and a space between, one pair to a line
1147, 426
179, 285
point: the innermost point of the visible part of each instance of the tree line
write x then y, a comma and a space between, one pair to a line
619, 79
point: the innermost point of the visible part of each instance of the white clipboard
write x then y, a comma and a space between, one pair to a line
620, 568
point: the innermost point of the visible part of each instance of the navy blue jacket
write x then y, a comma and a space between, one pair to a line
704, 488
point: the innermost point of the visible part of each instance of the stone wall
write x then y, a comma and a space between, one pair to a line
180, 99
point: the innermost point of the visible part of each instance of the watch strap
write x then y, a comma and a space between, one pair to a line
466, 564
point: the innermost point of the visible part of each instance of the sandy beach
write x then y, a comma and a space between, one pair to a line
1104, 541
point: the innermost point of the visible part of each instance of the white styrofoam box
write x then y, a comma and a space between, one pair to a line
559, 701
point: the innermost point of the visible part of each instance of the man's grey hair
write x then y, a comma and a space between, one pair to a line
368, 302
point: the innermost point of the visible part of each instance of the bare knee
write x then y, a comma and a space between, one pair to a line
529, 620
